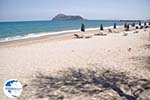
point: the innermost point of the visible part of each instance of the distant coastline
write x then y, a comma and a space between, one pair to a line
135, 20
130, 20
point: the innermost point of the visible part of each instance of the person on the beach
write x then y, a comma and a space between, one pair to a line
82, 27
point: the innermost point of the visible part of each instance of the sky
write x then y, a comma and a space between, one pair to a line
24, 10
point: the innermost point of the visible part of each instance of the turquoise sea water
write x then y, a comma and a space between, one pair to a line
28, 29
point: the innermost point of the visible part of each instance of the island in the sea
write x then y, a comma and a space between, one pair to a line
67, 17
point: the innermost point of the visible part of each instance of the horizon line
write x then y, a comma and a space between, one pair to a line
65, 20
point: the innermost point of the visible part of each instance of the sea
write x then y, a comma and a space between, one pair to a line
10, 31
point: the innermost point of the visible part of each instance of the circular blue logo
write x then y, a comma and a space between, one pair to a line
12, 88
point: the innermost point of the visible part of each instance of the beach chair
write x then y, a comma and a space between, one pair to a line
78, 36
100, 34
109, 30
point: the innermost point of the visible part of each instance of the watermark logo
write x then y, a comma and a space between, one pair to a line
12, 88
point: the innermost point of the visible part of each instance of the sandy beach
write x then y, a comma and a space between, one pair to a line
123, 51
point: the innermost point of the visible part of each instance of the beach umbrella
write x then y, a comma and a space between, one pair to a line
125, 25
136, 27
144, 23
139, 23
101, 27
133, 24
114, 25
128, 27
82, 27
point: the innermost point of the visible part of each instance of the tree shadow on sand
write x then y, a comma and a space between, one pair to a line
88, 82
147, 46
145, 60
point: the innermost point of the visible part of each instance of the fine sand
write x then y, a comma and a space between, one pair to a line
123, 51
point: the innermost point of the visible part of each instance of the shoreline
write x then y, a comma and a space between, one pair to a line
54, 37
21, 42
44, 34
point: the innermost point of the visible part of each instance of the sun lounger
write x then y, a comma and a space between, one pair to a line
88, 36
109, 30
100, 34
78, 36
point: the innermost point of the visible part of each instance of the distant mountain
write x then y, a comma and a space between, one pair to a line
67, 17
